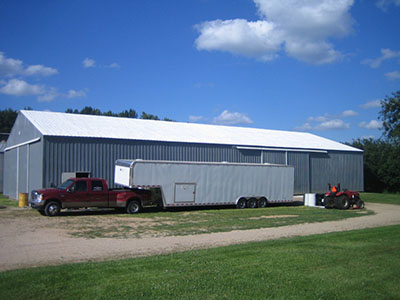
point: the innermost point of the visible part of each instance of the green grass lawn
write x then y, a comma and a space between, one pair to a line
7, 202
363, 264
381, 198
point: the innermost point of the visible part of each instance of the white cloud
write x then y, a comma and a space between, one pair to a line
17, 87
232, 118
318, 119
393, 75
332, 124
386, 54
39, 70
373, 124
371, 104
91, 63
252, 39
304, 127
323, 125
300, 27
88, 63
10, 67
384, 4
76, 94
349, 113
48, 95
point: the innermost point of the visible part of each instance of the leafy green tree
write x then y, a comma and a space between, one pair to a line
128, 114
390, 115
88, 110
7, 119
148, 116
381, 165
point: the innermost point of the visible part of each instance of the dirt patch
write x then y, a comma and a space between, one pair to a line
34, 240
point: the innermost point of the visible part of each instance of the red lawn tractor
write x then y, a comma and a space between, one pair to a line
345, 199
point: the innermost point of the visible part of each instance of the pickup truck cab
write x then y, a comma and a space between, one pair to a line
89, 192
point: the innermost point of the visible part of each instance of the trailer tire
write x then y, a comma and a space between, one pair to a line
252, 203
262, 202
343, 202
241, 203
52, 208
133, 207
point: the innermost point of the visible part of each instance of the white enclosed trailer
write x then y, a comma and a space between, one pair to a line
208, 183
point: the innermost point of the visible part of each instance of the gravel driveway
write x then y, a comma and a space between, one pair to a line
23, 245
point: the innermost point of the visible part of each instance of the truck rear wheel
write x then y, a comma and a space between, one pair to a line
133, 207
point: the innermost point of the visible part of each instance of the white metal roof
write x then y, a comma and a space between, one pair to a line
77, 125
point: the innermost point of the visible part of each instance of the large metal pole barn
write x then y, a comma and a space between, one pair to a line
43, 145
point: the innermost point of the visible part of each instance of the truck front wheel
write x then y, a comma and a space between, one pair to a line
52, 208
133, 207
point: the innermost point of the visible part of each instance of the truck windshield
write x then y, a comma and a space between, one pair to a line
65, 184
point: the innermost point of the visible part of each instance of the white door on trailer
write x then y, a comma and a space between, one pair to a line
185, 192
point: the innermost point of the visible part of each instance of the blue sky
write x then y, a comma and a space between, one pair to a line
318, 66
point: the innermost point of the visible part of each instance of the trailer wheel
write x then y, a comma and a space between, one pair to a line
52, 208
262, 202
343, 202
133, 207
252, 203
241, 203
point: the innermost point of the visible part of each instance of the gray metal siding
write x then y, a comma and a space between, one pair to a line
274, 157
300, 162
345, 168
313, 171
22, 131
28, 159
98, 155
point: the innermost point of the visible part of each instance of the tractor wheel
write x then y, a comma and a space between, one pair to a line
360, 204
329, 202
343, 202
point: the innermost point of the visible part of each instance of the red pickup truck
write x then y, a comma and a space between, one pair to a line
89, 192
